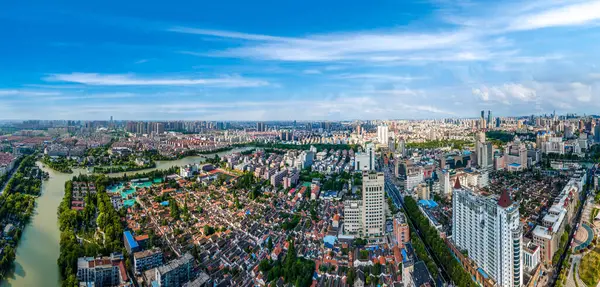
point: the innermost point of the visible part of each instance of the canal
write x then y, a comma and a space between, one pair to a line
35, 263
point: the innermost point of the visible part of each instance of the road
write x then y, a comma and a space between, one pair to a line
582, 197
394, 193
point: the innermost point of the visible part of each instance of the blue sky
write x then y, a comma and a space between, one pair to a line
297, 60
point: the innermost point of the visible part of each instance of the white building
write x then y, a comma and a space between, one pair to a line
414, 176
553, 145
373, 216
365, 160
531, 256
352, 216
445, 187
101, 271
383, 135
488, 228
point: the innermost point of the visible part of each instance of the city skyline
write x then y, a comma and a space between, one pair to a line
309, 61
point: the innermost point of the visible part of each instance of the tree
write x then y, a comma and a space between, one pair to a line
175, 212
351, 276
208, 230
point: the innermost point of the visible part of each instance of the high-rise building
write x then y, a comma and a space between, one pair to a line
402, 147
401, 230
482, 120
261, 127
373, 216
382, 134
488, 228
597, 133
159, 128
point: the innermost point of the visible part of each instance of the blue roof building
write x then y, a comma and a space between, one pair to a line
130, 243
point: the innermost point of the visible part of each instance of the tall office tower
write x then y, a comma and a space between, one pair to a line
488, 228
373, 216
597, 133
490, 120
402, 147
498, 122
382, 134
482, 120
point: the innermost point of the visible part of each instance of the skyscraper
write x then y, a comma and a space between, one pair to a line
482, 121
382, 134
488, 228
373, 216
490, 120
402, 147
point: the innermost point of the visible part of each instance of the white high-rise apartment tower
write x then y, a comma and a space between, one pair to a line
373, 184
488, 228
382, 134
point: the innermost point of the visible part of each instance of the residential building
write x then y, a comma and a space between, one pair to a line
101, 271
531, 256
352, 216
488, 228
401, 230
383, 135
176, 272
147, 259
130, 244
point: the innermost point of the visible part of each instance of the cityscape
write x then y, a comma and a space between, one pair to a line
417, 143
484, 201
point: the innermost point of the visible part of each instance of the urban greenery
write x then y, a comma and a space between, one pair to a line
26, 179
60, 164
96, 230
17, 203
437, 245
457, 144
294, 270
589, 268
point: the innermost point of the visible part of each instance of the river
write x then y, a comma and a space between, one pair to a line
35, 263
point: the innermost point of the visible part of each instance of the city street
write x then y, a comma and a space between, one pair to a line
582, 198
396, 196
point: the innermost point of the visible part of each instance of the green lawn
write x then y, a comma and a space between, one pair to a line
589, 270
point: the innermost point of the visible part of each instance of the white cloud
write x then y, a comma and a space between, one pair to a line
380, 77
311, 72
505, 93
94, 79
227, 34
27, 93
373, 46
479, 32
566, 15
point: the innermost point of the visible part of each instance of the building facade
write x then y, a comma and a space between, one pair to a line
488, 228
176, 272
401, 230
352, 216
147, 259
373, 217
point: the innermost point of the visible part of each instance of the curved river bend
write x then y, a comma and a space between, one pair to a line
35, 263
